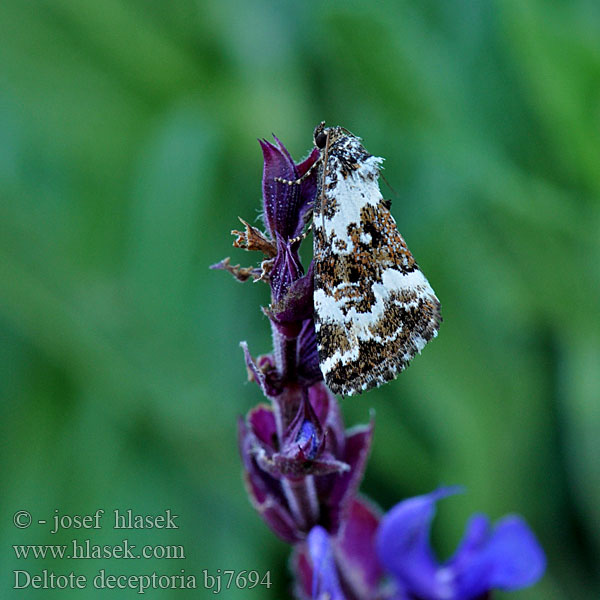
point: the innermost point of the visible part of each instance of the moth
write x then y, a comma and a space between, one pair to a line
374, 308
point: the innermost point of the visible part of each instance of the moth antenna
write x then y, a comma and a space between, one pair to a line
300, 179
349, 132
302, 236
394, 192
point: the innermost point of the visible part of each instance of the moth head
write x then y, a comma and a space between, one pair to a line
320, 135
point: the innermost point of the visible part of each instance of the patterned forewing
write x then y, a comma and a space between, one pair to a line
374, 309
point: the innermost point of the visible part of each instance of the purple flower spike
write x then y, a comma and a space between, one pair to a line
303, 469
507, 557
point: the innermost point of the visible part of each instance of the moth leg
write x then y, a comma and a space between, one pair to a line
300, 179
325, 156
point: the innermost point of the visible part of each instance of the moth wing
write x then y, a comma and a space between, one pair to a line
374, 308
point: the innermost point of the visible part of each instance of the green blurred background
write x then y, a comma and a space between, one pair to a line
128, 149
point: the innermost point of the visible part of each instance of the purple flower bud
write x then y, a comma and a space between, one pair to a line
285, 206
286, 267
307, 440
304, 434
303, 448
296, 304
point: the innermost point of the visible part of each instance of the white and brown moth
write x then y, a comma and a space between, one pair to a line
374, 309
